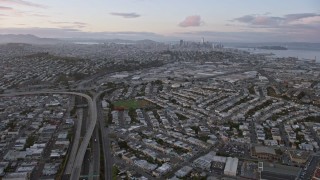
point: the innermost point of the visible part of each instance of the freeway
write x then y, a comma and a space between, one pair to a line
75, 145
75, 174
95, 154
105, 142
76, 170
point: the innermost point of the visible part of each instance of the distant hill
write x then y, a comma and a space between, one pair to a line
117, 41
272, 47
26, 38
124, 41
32, 39
287, 45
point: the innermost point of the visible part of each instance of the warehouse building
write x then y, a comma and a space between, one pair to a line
231, 166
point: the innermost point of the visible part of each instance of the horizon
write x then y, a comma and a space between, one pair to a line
96, 39
227, 21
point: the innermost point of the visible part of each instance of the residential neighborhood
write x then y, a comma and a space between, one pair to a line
157, 111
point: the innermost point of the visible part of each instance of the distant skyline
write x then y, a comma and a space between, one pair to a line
165, 20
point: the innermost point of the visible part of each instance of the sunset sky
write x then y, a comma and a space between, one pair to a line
223, 20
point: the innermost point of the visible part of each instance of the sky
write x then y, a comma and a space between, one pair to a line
165, 20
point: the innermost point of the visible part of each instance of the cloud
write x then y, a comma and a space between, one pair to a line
259, 20
8, 11
22, 2
298, 27
274, 22
293, 17
68, 25
3, 8
191, 21
80, 23
126, 15
245, 19
291, 27
39, 15
2, 16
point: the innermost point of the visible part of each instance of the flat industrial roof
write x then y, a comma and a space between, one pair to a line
263, 149
280, 169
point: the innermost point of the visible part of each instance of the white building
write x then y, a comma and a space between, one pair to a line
183, 171
231, 166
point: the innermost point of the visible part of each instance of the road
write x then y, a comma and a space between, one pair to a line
75, 144
95, 154
76, 170
85, 171
105, 143
274, 176
311, 167
75, 174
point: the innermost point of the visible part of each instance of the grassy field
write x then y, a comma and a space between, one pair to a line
131, 104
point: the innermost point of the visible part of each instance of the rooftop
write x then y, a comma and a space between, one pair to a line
263, 149
281, 169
